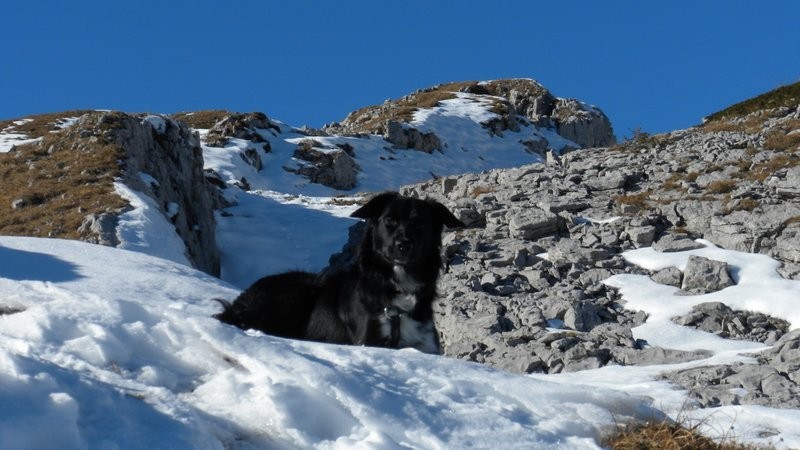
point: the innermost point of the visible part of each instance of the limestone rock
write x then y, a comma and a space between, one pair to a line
169, 153
703, 275
408, 137
332, 167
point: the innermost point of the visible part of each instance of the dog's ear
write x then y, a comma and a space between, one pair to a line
375, 206
444, 215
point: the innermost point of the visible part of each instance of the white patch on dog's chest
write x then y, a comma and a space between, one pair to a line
413, 334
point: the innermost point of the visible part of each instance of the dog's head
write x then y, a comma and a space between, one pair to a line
404, 230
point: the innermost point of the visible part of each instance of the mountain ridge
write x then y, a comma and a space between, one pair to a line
547, 277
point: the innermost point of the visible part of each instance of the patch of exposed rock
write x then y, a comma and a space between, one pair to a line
164, 160
330, 166
719, 319
774, 380
523, 288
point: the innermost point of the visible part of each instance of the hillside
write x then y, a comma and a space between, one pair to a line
639, 266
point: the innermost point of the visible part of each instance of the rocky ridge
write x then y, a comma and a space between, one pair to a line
517, 102
508, 305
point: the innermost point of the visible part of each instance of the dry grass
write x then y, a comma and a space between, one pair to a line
721, 186
763, 170
788, 96
751, 125
374, 118
639, 200
667, 436
39, 125
785, 138
56, 182
480, 190
202, 120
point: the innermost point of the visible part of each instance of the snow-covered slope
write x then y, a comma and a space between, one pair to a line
107, 348
277, 198
116, 349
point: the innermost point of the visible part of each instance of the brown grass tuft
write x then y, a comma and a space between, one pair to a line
721, 186
666, 436
640, 199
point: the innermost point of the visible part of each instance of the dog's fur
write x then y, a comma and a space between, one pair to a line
384, 300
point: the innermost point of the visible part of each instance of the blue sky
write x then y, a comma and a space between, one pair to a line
655, 65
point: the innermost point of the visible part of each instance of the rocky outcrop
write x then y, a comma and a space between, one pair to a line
774, 381
163, 159
332, 167
516, 101
585, 125
403, 136
523, 288
242, 126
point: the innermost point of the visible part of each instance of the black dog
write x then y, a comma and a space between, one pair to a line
384, 300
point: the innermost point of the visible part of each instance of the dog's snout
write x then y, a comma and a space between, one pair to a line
403, 245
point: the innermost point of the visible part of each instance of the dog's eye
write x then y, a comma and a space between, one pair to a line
389, 222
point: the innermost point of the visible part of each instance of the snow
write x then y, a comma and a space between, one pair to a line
117, 349
9, 139
143, 228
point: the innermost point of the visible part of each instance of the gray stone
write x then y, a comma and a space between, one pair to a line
641, 236
100, 229
404, 136
334, 168
675, 243
170, 155
703, 275
671, 276
582, 316
531, 223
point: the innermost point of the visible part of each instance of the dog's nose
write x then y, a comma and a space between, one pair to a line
403, 246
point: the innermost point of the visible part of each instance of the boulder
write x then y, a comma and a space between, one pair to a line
404, 136
332, 167
703, 275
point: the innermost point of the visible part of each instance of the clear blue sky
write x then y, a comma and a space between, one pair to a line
655, 65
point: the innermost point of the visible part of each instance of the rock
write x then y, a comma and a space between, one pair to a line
330, 167
169, 154
717, 318
248, 126
671, 276
404, 136
569, 251
582, 316
787, 243
672, 242
614, 180
585, 125
100, 229
703, 275
531, 223
641, 236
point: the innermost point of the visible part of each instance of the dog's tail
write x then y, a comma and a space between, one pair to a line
228, 314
